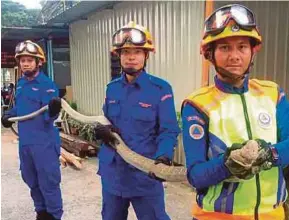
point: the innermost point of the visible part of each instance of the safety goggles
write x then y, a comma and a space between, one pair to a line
29, 47
217, 22
131, 35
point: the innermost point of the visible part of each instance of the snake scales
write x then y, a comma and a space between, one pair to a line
169, 173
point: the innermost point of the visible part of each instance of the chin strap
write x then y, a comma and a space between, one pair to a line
132, 71
31, 73
234, 77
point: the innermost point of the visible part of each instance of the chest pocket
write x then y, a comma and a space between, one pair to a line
144, 119
34, 95
113, 110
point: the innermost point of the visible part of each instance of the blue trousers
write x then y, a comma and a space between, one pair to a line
40, 170
146, 207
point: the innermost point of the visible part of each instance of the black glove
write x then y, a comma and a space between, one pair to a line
104, 133
5, 122
54, 106
267, 155
164, 160
235, 168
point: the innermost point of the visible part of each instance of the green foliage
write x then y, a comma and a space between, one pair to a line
14, 14
73, 123
179, 118
86, 131
73, 105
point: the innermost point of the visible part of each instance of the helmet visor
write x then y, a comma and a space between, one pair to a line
29, 47
217, 22
132, 35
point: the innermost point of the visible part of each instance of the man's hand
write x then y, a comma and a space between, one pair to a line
5, 122
267, 155
164, 160
54, 106
104, 133
239, 159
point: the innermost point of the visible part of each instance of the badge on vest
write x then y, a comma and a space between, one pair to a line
196, 131
264, 120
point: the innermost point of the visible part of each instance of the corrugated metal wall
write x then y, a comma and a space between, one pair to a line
272, 63
176, 28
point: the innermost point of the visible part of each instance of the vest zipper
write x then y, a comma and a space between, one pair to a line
249, 131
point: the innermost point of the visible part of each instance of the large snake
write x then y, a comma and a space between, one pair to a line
169, 173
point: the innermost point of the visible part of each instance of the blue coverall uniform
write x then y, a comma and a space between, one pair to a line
144, 113
39, 144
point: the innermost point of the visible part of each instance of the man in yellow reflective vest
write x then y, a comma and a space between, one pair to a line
222, 118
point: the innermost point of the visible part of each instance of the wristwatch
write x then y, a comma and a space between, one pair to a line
274, 153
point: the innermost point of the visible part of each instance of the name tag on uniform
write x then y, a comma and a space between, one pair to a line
111, 101
144, 105
50, 90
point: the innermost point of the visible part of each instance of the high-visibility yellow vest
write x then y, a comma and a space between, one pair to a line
235, 118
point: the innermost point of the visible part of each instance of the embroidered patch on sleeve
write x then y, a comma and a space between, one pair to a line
166, 97
196, 131
50, 90
196, 118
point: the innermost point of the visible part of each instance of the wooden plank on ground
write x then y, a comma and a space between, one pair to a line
74, 145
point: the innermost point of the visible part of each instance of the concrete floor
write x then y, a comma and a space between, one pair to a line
81, 190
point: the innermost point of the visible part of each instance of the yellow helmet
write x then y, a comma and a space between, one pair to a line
229, 21
132, 35
29, 48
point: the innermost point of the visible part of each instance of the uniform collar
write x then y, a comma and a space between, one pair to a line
228, 88
140, 81
39, 78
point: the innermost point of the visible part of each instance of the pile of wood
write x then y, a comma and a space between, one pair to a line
68, 158
74, 145
73, 148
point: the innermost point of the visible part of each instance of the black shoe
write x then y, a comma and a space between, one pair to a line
50, 217
41, 215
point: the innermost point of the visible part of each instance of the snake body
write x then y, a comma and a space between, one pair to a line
169, 173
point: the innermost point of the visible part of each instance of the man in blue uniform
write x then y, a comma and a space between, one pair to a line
39, 141
141, 108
